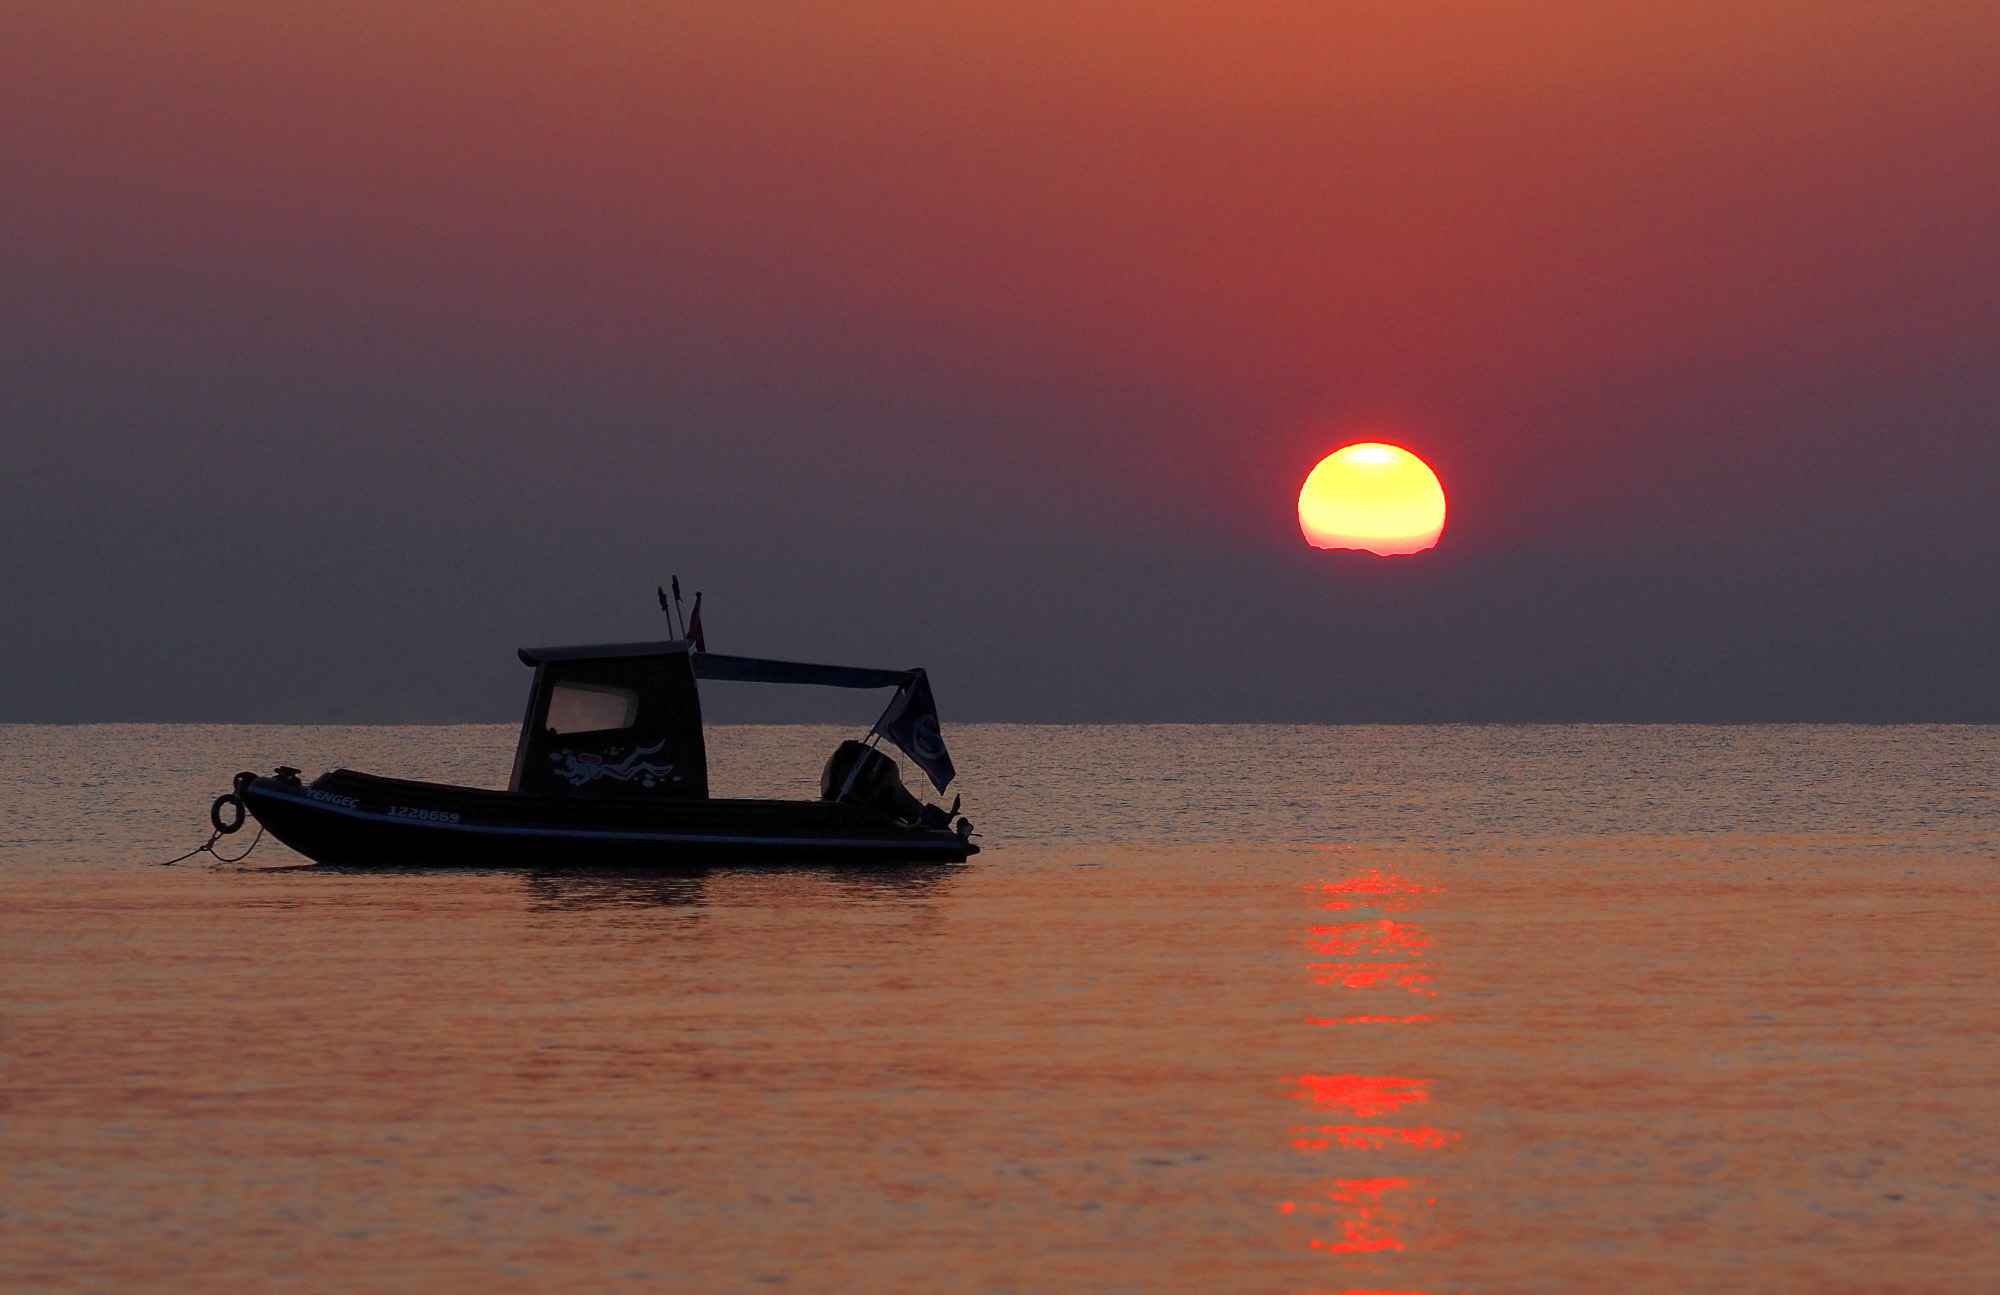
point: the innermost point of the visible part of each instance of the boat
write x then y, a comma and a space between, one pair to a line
611, 770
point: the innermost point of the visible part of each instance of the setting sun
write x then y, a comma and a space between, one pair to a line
1371, 496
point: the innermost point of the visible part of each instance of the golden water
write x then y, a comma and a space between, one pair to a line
1241, 1009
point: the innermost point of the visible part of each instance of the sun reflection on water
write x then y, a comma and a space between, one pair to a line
1351, 937
1369, 1214
1365, 1095
1361, 1137
1375, 889
1378, 941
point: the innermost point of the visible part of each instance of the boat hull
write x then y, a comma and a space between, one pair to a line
358, 820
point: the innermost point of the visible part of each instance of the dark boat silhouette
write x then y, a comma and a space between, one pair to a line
612, 770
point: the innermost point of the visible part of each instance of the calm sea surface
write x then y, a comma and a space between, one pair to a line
1219, 1009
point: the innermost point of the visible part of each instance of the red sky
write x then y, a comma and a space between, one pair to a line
1626, 274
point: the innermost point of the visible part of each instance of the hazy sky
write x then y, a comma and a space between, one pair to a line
343, 348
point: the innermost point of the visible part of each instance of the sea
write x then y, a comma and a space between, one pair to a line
1302, 1010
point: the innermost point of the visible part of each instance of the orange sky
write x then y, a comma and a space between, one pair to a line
1624, 273
1270, 190
1339, 208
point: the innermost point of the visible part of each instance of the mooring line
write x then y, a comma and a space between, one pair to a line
208, 847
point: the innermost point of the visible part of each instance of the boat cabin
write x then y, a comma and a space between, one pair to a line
614, 719
624, 719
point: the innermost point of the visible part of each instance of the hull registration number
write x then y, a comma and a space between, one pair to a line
423, 815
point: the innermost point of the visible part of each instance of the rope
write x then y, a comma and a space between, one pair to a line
246, 849
208, 847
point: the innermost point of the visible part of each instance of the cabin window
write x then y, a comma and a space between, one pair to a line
591, 708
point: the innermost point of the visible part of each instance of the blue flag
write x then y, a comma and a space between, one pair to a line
912, 724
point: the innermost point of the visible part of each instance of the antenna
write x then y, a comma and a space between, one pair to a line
667, 609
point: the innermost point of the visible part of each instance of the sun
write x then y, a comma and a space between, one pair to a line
1371, 496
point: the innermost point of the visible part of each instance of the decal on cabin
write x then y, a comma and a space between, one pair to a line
580, 767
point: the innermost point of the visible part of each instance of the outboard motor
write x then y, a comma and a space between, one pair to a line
860, 774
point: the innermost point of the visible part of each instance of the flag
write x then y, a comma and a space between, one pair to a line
912, 724
694, 626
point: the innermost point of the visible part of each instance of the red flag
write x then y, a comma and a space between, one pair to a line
694, 625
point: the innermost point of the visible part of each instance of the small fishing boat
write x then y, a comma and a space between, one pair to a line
612, 770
